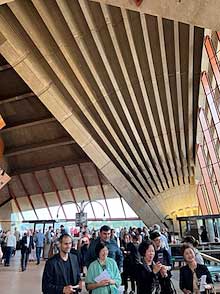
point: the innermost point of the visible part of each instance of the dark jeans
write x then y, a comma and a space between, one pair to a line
38, 254
8, 253
24, 259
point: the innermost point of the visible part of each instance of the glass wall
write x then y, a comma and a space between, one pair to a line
118, 209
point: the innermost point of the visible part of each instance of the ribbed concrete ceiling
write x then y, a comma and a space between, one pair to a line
123, 84
196, 12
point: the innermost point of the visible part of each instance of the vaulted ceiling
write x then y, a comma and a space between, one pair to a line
119, 87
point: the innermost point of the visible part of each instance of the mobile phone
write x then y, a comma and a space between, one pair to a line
160, 257
76, 287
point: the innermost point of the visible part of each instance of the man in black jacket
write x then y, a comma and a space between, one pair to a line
27, 244
61, 272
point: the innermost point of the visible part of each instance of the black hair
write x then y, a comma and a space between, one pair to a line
64, 236
154, 235
191, 240
105, 228
186, 246
99, 247
134, 237
144, 246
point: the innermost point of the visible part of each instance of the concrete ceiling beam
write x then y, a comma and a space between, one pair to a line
180, 102
36, 72
195, 12
174, 158
113, 36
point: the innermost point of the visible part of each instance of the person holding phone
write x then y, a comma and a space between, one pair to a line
62, 272
148, 271
161, 254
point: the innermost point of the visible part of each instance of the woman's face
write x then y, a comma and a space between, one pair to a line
126, 238
149, 254
103, 253
189, 255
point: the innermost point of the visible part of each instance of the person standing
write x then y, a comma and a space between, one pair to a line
191, 273
62, 230
131, 259
27, 244
39, 240
192, 241
204, 235
163, 237
10, 246
147, 272
113, 236
17, 236
102, 262
113, 250
83, 246
161, 253
61, 273
48, 241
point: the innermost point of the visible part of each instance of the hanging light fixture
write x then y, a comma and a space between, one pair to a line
81, 216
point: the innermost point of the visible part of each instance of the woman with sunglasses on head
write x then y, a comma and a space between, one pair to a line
191, 274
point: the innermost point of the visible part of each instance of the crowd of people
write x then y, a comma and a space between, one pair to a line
107, 260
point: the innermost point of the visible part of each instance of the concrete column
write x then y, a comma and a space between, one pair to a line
5, 216
210, 229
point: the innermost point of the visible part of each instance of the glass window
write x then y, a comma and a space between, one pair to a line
43, 214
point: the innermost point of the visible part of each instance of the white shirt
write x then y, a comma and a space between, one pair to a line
28, 241
11, 241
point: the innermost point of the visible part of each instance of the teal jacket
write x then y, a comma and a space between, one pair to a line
96, 269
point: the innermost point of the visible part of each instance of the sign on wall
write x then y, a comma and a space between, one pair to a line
4, 178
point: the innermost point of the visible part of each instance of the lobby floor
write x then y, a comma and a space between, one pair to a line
12, 280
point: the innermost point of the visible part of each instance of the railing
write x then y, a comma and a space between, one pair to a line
210, 258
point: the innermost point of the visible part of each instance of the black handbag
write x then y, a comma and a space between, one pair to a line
167, 286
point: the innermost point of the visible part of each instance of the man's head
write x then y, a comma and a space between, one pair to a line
105, 233
155, 237
134, 239
65, 243
156, 227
